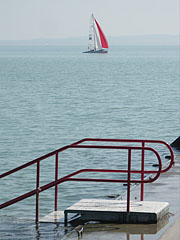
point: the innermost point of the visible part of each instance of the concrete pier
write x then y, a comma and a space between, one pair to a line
114, 211
165, 189
111, 211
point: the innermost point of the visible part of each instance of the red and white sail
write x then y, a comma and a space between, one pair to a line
104, 42
97, 38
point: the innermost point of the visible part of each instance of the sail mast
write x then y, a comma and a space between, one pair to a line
91, 33
94, 33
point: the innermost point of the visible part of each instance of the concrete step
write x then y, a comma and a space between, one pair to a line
115, 211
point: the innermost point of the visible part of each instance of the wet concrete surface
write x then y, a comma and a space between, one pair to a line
173, 232
166, 188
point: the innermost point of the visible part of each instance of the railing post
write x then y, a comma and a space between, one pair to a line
56, 186
37, 191
142, 172
142, 236
129, 180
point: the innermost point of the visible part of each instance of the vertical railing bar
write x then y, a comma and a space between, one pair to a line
37, 191
56, 186
129, 180
142, 172
128, 236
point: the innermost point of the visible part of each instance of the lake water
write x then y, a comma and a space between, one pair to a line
53, 96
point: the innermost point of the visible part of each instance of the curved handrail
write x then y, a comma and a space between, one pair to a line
70, 177
90, 139
136, 141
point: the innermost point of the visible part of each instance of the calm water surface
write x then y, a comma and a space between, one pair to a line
53, 96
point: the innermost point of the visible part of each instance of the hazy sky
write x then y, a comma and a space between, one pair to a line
30, 19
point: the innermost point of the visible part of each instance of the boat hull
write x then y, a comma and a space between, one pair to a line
97, 51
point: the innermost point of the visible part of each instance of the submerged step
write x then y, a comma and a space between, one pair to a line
54, 217
115, 211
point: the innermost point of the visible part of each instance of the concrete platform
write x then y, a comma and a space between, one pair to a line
114, 211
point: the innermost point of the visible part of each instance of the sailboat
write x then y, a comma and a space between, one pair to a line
97, 40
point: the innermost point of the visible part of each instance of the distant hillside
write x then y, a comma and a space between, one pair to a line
75, 41
146, 40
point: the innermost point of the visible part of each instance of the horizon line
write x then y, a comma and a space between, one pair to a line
72, 37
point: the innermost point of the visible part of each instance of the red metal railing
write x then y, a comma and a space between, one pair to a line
70, 177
